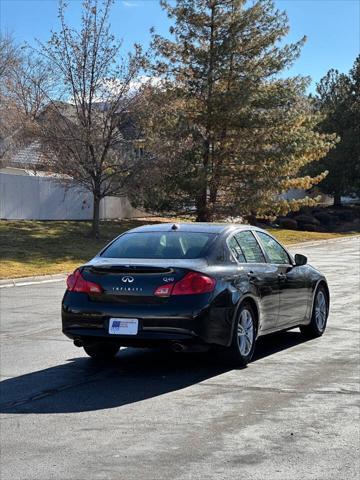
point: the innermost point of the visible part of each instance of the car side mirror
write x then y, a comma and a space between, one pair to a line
300, 260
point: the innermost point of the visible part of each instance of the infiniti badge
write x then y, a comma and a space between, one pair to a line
127, 279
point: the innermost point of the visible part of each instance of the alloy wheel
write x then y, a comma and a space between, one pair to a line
245, 332
320, 310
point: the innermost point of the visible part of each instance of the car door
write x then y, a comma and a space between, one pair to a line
293, 287
262, 277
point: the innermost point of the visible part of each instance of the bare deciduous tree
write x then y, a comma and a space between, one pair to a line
85, 134
30, 85
9, 54
9, 59
25, 87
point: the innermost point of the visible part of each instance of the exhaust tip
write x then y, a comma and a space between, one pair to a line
178, 347
78, 342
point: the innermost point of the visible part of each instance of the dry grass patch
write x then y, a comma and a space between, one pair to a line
38, 248
288, 237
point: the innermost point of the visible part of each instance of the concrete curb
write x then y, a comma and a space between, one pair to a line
58, 277
21, 282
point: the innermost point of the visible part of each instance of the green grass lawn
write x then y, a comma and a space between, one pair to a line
39, 248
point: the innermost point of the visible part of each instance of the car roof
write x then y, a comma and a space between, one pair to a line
197, 227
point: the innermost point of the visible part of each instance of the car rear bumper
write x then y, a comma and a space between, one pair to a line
85, 320
142, 339
150, 331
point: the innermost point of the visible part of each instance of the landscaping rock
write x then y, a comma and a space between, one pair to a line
310, 227
305, 211
288, 223
321, 228
347, 216
324, 218
307, 219
307, 227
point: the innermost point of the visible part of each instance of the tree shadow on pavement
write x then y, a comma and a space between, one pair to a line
134, 375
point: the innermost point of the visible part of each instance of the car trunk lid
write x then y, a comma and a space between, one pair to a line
134, 283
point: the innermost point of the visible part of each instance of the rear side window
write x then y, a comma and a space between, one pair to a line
250, 247
236, 250
162, 245
273, 249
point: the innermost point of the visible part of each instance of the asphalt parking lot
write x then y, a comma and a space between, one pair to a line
293, 413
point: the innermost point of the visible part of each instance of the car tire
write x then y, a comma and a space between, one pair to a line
242, 347
319, 315
102, 351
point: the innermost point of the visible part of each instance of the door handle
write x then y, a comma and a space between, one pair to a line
252, 277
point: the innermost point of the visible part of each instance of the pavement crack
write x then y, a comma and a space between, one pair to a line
49, 392
354, 330
341, 391
11, 336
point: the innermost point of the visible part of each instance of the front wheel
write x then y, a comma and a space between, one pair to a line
319, 315
102, 351
242, 347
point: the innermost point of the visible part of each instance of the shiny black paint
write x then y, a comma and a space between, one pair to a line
282, 296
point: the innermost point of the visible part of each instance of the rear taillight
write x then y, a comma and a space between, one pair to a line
192, 283
76, 283
164, 290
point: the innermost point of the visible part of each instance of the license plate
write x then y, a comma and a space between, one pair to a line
123, 326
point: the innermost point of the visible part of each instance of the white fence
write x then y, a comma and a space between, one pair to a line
42, 198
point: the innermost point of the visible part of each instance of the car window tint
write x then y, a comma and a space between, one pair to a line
236, 250
273, 249
164, 245
250, 247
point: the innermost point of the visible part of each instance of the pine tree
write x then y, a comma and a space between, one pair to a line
227, 134
338, 98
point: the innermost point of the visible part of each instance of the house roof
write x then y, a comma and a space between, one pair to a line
30, 155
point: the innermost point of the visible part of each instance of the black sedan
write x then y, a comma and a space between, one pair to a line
192, 286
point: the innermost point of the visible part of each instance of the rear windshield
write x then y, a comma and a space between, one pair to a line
160, 245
